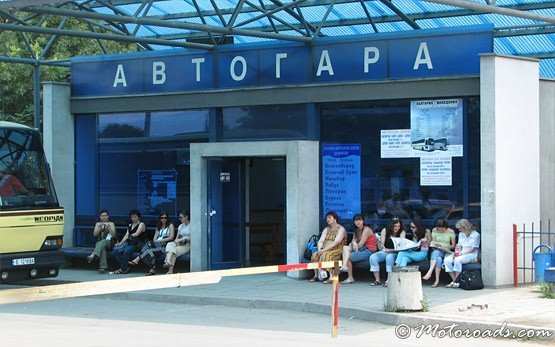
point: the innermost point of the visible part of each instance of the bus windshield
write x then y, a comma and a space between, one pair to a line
25, 181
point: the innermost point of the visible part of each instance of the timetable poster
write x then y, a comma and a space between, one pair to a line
341, 179
436, 127
157, 190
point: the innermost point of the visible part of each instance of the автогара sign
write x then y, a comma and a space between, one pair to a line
415, 54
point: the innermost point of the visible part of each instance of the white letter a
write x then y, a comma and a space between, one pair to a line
120, 77
423, 57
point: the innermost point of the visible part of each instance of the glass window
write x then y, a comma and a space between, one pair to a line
264, 122
121, 125
390, 187
121, 192
178, 122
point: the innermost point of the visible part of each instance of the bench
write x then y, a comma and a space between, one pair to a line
84, 241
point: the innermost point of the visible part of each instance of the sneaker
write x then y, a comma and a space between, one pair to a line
455, 285
344, 269
450, 285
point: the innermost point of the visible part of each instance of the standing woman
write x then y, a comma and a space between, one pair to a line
181, 244
443, 238
330, 244
393, 229
361, 248
419, 234
164, 234
131, 242
105, 232
469, 242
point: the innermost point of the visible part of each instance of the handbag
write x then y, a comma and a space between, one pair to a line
311, 247
471, 279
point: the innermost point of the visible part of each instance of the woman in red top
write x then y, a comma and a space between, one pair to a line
361, 248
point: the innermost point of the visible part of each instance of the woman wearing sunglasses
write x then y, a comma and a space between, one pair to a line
164, 234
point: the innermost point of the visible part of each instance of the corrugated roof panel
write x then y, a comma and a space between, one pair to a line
246, 17
502, 45
547, 68
393, 26
535, 44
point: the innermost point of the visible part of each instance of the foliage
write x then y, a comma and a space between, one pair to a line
16, 80
545, 290
425, 304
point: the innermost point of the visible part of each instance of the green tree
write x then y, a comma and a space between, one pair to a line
16, 80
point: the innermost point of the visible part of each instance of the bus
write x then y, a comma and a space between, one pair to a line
426, 144
31, 219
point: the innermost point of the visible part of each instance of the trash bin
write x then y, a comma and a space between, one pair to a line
404, 289
542, 261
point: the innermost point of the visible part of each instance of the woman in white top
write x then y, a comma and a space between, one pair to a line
181, 244
466, 251
164, 233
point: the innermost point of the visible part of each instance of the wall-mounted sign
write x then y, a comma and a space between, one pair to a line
435, 171
436, 127
341, 179
413, 54
156, 191
225, 177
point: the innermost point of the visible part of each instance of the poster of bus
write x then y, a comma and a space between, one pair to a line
436, 126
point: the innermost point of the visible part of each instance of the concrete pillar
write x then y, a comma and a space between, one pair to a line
510, 165
58, 138
547, 152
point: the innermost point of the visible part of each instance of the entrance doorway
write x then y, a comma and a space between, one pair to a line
223, 211
266, 211
246, 223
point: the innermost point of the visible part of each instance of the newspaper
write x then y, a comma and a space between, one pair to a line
402, 244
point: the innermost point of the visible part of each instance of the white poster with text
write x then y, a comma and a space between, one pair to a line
435, 171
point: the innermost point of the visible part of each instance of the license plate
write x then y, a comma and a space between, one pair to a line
23, 261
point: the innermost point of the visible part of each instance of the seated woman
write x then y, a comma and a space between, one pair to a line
330, 243
105, 232
361, 248
132, 241
393, 229
469, 244
419, 234
443, 239
181, 244
164, 234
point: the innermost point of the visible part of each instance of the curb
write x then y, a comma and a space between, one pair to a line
412, 320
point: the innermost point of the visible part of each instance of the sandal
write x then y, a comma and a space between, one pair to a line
102, 270
314, 279
151, 272
434, 285
90, 258
121, 272
328, 281
133, 263
347, 281
375, 283
166, 265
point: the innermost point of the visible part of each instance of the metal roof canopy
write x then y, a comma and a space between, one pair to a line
521, 27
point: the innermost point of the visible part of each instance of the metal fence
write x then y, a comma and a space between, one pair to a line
525, 242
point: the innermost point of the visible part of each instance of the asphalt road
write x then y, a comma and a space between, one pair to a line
101, 321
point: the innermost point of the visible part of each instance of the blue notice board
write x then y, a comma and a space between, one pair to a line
341, 179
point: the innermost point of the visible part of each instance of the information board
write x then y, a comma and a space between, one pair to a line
157, 191
341, 179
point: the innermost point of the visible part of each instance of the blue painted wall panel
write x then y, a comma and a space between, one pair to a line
85, 168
